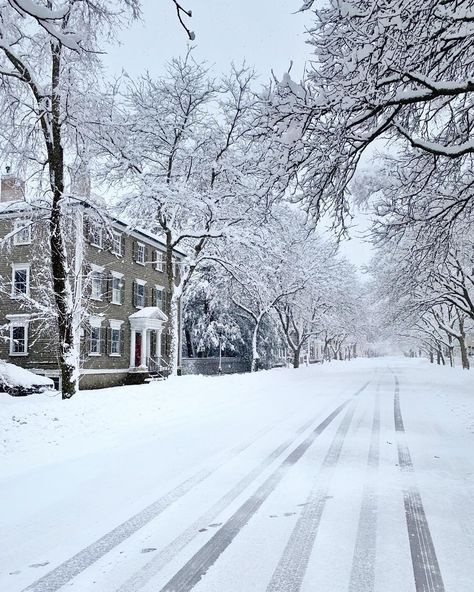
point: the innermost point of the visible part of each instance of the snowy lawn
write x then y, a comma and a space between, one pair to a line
133, 488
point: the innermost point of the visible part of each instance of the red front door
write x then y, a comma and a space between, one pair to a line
138, 350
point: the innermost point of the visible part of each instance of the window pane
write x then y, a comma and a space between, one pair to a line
21, 281
115, 341
19, 340
95, 340
117, 244
96, 285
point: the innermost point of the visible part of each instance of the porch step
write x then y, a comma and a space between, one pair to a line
155, 376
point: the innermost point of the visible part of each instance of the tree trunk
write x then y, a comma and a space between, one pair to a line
255, 354
68, 357
296, 358
172, 307
189, 344
464, 357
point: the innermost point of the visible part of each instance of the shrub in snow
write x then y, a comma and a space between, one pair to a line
17, 381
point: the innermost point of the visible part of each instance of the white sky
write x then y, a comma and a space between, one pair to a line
267, 34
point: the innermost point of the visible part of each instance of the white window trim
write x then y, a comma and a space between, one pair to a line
160, 260
139, 244
117, 235
18, 226
95, 321
17, 267
98, 268
21, 320
115, 325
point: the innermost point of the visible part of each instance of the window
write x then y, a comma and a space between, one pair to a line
20, 280
96, 235
18, 334
140, 254
18, 339
96, 285
115, 338
115, 342
22, 234
94, 345
117, 244
117, 286
139, 294
159, 261
159, 300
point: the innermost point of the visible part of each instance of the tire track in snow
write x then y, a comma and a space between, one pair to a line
75, 565
290, 571
363, 563
168, 553
194, 569
423, 554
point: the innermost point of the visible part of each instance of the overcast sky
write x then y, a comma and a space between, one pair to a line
267, 34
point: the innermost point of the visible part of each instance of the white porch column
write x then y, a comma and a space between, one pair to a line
148, 344
132, 348
158, 346
144, 348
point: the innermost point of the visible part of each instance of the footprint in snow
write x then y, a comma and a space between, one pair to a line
148, 549
215, 524
39, 564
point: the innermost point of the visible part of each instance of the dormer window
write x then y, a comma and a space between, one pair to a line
22, 234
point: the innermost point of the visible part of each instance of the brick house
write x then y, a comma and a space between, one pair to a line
118, 276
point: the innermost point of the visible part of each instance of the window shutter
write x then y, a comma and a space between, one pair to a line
103, 340
134, 299
147, 254
122, 239
135, 250
146, 293
122, 290
153, 296
164, 296
108, 340
87, 280
84, 342
105, 287
122, 340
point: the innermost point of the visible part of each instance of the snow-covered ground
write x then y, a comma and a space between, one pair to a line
354, 476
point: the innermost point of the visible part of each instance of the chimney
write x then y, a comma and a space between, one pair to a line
13, 189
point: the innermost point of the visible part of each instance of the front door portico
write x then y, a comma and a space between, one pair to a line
143, 324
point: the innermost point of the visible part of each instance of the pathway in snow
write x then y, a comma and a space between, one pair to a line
341, 481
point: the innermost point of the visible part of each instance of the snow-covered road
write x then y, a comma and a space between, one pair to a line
354, 476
